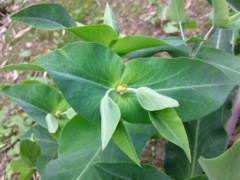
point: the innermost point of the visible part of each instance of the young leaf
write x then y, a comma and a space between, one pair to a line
45, 16
23, 66
110, 18
101, 34
52, 123
124, 171
26, 164
225, 166
220, 13
47, 144
153, 101
123, 140
176, 10
170, 126
110, 117
234, 21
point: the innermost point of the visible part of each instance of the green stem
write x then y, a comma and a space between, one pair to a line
181, 29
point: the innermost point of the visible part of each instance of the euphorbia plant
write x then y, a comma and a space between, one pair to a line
95, 123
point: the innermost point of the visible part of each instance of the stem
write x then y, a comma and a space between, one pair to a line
181, 29
108, 91
131, 90
232, 122
201, 44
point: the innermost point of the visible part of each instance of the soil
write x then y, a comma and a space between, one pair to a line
135, 17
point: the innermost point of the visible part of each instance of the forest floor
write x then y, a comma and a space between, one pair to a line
20, 43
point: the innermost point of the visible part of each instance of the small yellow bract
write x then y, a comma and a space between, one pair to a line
121, 89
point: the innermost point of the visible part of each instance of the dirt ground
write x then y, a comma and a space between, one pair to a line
135, 17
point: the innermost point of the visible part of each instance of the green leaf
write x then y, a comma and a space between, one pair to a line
234, 21
110, 117
101, 34
36, 99
80, 147
110, 18
225, 166
234, 4
26, 164
126, 170
200, 177
128, 44
44, 16
23, 66
220, 13
84, 76
52, 123
198, 87
221, 40
226, 62
195, 40
123, 140
153, 101
170, 126
47, 144
176, 10
207, 137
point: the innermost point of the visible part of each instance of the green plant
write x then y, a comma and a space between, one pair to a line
102, 111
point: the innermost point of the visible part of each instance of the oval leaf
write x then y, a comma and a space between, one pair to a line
225, 166
170, 126
52, 123
23, 66
110, 18
44, 16
220, 13
110, 117
153, 101
176, 10
123, 140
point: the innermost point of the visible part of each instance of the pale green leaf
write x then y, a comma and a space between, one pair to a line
23, 66
44, 16
153, 101
26, 163
52, 123
220, 13
110, 18
234, 22
225, 166
123, 140
170, 126
176, 10
110, 117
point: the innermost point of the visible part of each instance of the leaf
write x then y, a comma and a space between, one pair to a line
36, 99
110, 18
220, 13
207, 137
52, 123
84, 76
110, 117
170, 126
26, 164
47, 16
195, 40
126, 170
234, 21
176, 10
128, 44
47, 144
80, 147
123, 140
228, 63
153, 101
200, 177
101, 34
225, 166
23, 66
198, 87
221, 40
